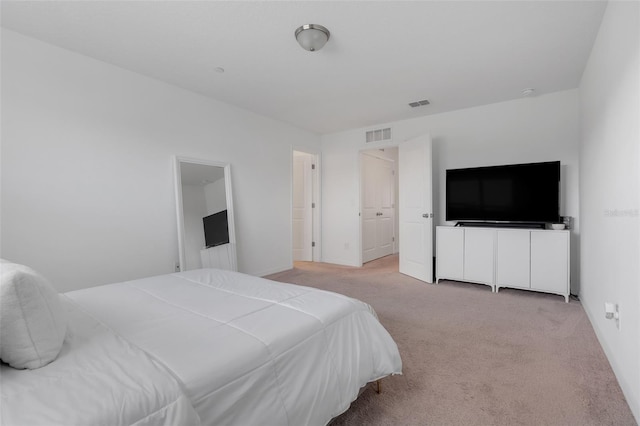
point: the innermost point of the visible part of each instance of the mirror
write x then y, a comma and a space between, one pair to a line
206, 231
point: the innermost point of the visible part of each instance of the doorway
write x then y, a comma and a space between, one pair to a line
413, 208
379, 183
305, 207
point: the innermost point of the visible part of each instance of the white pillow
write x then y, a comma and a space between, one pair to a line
32, 321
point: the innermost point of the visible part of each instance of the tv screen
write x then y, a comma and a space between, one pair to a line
511, 193
216, 229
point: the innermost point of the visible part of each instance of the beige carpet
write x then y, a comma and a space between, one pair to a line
472, 357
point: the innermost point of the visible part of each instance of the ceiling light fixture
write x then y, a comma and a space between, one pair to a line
528, 92
312, 36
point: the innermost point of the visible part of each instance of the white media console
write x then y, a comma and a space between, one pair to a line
527, 259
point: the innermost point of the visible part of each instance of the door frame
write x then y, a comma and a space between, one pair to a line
383, 145
361, 151
370, 153
316, 177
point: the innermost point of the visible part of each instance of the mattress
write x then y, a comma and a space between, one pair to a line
98, 378
248, 350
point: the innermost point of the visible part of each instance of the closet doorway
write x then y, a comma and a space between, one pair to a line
412, 207
379, 189
305, 207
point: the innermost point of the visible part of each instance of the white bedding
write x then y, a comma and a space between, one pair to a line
250, 351
98, 378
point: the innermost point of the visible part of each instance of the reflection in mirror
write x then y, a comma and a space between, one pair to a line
206, 233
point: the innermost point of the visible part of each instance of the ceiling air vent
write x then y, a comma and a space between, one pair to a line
418, 103
379, 135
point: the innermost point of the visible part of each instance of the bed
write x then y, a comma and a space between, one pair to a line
240, 349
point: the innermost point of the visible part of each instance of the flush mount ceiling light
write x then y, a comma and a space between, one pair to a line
312, 36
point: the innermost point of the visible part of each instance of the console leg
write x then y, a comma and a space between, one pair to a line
378, 386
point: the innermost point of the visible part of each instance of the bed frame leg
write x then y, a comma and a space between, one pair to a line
378, 386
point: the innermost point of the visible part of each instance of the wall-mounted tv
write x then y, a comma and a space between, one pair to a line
216, 229
526, 193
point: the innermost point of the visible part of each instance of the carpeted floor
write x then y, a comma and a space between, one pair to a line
472, 357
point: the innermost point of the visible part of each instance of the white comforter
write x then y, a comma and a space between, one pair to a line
98, 379
250, 351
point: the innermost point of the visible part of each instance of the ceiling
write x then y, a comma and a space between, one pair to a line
381, 55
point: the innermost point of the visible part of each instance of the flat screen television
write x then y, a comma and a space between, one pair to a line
216, 229
524, 193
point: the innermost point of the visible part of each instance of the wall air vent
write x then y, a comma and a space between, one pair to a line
418, 103
378, 135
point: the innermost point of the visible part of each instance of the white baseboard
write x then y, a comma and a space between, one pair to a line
627, 390
272, 271
341, 262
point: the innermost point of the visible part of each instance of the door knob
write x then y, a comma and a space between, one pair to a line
427, 215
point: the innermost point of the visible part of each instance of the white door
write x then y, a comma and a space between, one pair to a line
377, 207
386, 200
369, 207
302, 210
416, 214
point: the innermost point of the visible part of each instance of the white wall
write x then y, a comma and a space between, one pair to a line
194, 209
610, 191
215, 196
543, 128
87, 171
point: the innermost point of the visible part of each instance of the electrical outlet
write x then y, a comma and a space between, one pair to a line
612, 311
176, 267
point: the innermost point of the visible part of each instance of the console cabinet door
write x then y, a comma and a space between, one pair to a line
550, 261
478, 255
449, 252
512, 265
